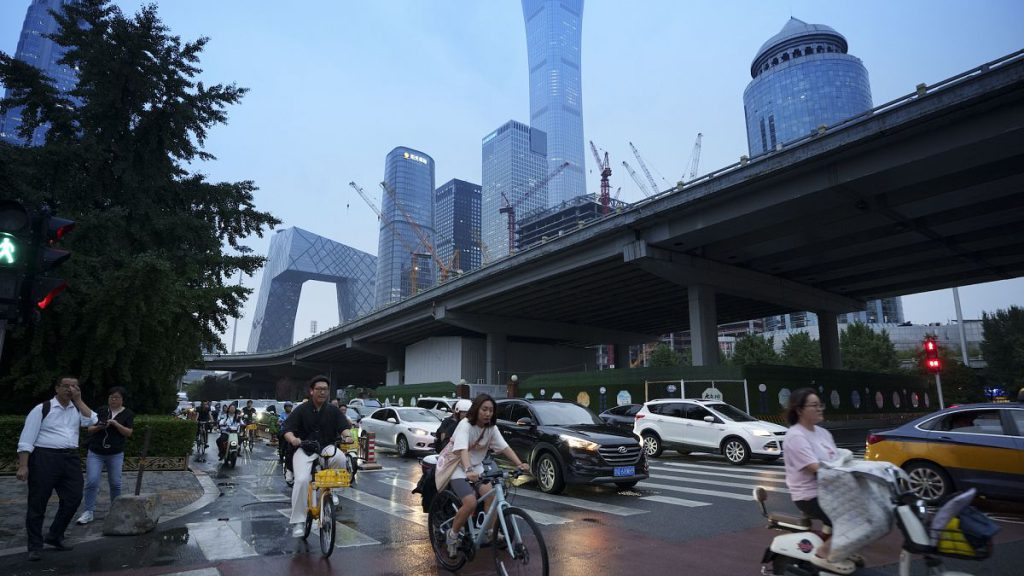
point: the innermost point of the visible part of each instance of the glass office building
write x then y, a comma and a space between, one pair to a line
457, 225
404, 264
514, 163
803, 78
41, 52
553, 31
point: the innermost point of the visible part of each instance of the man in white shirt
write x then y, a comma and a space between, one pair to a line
48, 459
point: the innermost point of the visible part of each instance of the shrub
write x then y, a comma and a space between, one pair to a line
170, 437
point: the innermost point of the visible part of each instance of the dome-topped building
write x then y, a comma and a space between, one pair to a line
802, 78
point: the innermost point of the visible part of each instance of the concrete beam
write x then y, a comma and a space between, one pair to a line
486, 324
686, 270
385, 350
703, 325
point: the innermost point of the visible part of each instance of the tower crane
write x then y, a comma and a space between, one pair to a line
643, 166
416, 255
367, 199
606, 171
636, 178
510, 208
694, 158
443, 268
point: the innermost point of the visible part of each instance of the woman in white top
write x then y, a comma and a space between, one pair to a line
806, 446
473, 437
229, 423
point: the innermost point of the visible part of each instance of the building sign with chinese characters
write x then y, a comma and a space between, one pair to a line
419, 159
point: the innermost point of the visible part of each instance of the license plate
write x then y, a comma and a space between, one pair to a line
625, 471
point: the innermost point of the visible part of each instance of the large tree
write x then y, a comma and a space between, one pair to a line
155, 243
754, 349
864, 349
799, 349
664, 355
1003, 346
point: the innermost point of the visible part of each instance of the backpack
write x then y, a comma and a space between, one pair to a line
444, 433
427, 489
46, 409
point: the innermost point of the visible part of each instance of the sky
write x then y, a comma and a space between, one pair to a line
336, 84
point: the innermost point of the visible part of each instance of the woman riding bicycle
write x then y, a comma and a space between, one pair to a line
473, 437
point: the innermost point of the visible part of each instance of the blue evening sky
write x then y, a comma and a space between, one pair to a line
336, 84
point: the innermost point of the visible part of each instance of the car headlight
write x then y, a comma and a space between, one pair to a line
418, 431
579, 443
762, 433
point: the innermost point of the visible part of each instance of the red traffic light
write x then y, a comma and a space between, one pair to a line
931, 356
929, 345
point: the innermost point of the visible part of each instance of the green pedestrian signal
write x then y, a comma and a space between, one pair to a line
16, 235
8, 250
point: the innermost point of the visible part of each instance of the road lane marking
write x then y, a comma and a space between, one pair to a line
777, 471
676, 501
580, 503
220, 540
719, 483
720, 474
414, 515
392, 481
344, 536
701, 491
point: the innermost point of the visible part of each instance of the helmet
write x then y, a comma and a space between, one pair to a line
463, 405
287, 404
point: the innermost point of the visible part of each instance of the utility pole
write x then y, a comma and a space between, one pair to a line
960, 327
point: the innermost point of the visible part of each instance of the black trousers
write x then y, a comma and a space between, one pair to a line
50, 470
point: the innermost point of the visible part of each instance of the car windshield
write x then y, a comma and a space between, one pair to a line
731, 412
564, 414
418, 415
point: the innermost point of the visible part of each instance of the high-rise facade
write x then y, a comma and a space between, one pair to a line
553, 33
43, 53
404, 264
514, 163
457, 225
803, 78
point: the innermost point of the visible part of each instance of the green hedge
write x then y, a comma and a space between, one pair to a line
406, 394
170, 437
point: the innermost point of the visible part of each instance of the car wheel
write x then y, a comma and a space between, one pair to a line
549, 475
652, 444
928, 481
626, 485
402, 445
736, 451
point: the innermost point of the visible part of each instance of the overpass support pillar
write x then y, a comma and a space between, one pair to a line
828, 339
621, 357
703, 325
497, 344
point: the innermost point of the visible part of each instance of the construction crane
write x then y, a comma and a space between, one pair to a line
443, 268
643, 166
367, 199
636, 178
484, 252
606, 172
510, 208
416, 256
694, 159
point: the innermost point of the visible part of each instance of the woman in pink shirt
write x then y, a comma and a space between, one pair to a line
806, 446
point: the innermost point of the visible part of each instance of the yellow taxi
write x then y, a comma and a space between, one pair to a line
973, 445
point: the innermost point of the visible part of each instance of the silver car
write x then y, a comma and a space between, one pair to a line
406, 430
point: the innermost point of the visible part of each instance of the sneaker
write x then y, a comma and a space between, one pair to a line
298, 530
842, 567
452, 542
86, 517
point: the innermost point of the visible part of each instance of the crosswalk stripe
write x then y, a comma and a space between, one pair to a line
701, 491
384, 505
718, 483
220, 540
749, 470
676, 501
580, 503
344, 537
391, 481
703, 472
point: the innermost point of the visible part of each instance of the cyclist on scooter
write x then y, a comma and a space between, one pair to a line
473, 437
319, 421
230, 421
807, 445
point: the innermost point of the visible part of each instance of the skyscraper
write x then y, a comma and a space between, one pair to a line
803, 78
514, 163
457, 224
553, 31
42, 53
404, 264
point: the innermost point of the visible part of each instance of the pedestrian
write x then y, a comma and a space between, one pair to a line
48, 460
106, 449
444, 431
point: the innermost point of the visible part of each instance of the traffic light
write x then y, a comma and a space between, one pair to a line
931, 356
45, 286
15, 256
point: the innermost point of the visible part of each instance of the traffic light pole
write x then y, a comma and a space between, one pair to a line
3, 334
938, 386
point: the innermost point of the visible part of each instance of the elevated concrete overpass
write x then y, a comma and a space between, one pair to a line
922, 193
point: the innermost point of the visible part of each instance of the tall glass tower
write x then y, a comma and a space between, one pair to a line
553, 30
515, 161
404, 264
457, 224
43, 53
803, 78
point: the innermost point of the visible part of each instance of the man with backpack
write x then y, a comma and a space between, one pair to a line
48, 459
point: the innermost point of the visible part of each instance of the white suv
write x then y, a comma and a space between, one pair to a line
706, 426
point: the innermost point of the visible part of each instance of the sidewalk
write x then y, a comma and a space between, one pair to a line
180, 493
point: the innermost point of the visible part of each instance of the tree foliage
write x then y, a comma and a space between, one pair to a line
1003, 346
799, 349
755, 349
664, 355
864, 349
154, 242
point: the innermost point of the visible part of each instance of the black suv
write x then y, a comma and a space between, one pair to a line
566, 444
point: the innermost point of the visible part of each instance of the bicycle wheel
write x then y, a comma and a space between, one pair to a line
328, 519
528, 554
439, 521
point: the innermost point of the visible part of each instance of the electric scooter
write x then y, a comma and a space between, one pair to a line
231, 454
792, 554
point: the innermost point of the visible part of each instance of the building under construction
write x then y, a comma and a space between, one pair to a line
548, 223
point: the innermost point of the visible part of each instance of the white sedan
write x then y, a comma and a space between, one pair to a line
404, 429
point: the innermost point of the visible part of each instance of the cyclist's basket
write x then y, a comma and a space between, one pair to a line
347, 447
962, 531
953, 542
333, 478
